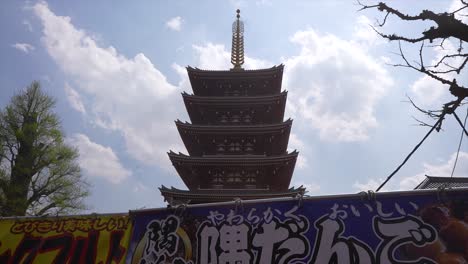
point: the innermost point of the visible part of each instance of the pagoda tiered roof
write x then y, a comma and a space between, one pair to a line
235, 171
241, 160
236, 83
229, 73
233, 100
204, 196
221, 110
232, 159
271, 139
185, 128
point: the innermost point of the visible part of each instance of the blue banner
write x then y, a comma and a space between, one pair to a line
400, 227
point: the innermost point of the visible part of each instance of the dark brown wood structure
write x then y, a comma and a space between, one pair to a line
436, 182
237, 139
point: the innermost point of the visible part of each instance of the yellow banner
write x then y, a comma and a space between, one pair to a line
80, 239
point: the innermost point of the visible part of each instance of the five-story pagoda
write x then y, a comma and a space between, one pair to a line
237, 141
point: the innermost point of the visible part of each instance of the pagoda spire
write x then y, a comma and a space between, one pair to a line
237, 51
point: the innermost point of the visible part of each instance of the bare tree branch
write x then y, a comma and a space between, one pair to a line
431, 113
447, 24
455, 89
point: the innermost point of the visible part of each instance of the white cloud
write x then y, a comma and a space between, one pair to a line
180, 49
74, 99
386, 60
372, 185
24, 47
342, 111
311, 188
364, 34
28, 25
46, 78
184, 82
409, 183
442, 170
215, 57
99, 161
238, 3
139, 187
445, 169
301, 162
212, 56
334, 84
427, 91
126, 95
296, 144
263, 2
175, 23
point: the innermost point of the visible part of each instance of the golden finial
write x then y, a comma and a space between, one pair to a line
237, 51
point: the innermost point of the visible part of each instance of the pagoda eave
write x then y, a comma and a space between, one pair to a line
236, 110
234, 171
176, 196
203, 140
229, 74
191, 99
248, 160
187, 128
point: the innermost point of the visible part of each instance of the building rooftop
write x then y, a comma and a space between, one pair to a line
434, 182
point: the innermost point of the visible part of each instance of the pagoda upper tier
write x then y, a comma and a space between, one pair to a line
235, 110
236, 83
201, 140
235, 171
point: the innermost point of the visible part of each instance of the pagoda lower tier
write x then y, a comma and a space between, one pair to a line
235, 110
235, 171
176, 196
201, 140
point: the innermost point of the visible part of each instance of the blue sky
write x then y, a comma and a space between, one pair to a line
117, 71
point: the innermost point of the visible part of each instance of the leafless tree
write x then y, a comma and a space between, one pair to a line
448, 69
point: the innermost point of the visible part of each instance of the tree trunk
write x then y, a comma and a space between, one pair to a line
22, 171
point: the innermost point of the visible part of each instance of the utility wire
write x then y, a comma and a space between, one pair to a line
459, 122
460, 143
412, 152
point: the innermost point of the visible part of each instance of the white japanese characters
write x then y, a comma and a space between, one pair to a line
267, 239
271, 235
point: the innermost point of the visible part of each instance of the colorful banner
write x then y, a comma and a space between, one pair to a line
80, 239
400, 227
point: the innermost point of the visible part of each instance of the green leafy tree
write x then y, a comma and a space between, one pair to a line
39, 174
